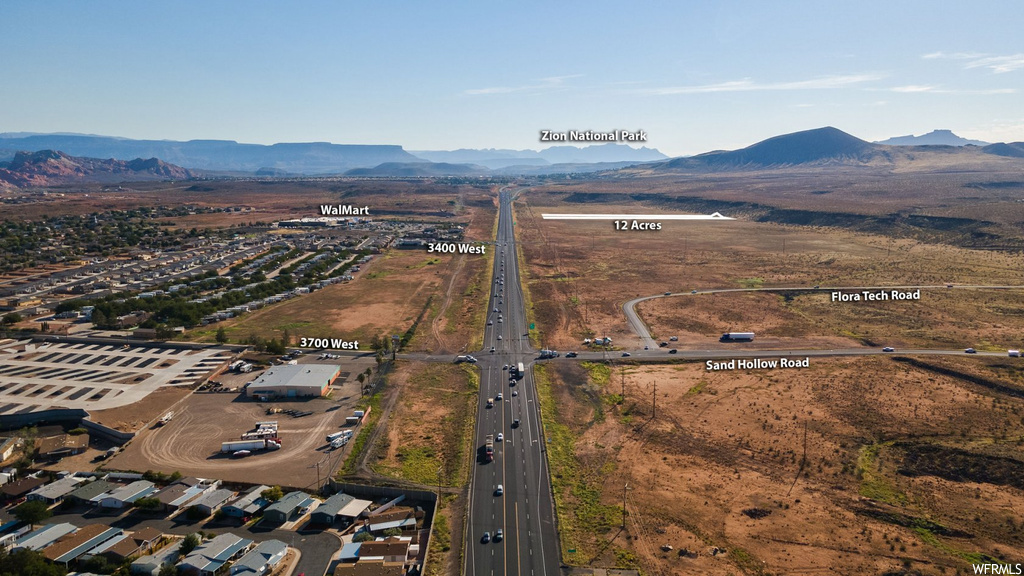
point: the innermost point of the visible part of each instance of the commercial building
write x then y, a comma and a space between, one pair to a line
62, 445
294, 380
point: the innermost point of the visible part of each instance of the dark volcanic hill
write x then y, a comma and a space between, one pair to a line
50, 168
1012, 150
933, 138
407, 169
819, 146
218, 155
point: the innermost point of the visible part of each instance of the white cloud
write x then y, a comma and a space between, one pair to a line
551, 83
912, 88
998, 64
748, 85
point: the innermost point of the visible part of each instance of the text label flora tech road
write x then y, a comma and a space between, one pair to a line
757, 364
876, 296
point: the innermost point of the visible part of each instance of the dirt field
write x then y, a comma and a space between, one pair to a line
431, 424
457, 313
581, 272
430, 427
849, 467
943, 318
135, 416
190, 443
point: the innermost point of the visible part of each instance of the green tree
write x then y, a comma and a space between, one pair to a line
272, 494
286, 337
274, 346
99, 318
148, 504
393, 532
190, 543
27, 563
168, 570
222, 335
12, 318
32, 512
363, 536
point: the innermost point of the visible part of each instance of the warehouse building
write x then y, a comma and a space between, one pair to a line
294, 381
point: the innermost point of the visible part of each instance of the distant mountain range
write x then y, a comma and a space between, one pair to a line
214, 155
305, 158
933, 138
50, 168
499, 158
822, 147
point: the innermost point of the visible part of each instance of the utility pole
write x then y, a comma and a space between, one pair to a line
439, 483
623, 373
624, 488
654, 404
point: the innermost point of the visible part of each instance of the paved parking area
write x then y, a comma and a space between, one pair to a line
38, 376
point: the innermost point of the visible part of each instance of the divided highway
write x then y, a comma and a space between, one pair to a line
525, 511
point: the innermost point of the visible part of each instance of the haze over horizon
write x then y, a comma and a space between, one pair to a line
450, 76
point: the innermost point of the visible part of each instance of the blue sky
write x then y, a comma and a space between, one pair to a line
696, 76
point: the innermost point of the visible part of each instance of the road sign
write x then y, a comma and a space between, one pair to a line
532, 326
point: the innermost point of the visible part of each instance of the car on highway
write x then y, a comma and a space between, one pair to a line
499, 320
970, 351
505, 367
626, 354
492, 349
888, 349
668, 293
495, 310
486, 537
515, 392
501, 437
498, 397
570, 354
515, 423
647, 347
673, 351
499, 490
499, 336
490, 322
498, 535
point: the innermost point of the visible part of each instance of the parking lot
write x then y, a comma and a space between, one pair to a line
191, 442
94, 376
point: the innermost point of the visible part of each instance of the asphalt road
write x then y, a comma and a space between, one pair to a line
640, 329
525, 512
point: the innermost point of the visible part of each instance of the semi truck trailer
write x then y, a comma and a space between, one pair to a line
737, 337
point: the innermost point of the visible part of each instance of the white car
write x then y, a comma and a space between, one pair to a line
498, 397
501, 437
499, 336
515, 392
888, 349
